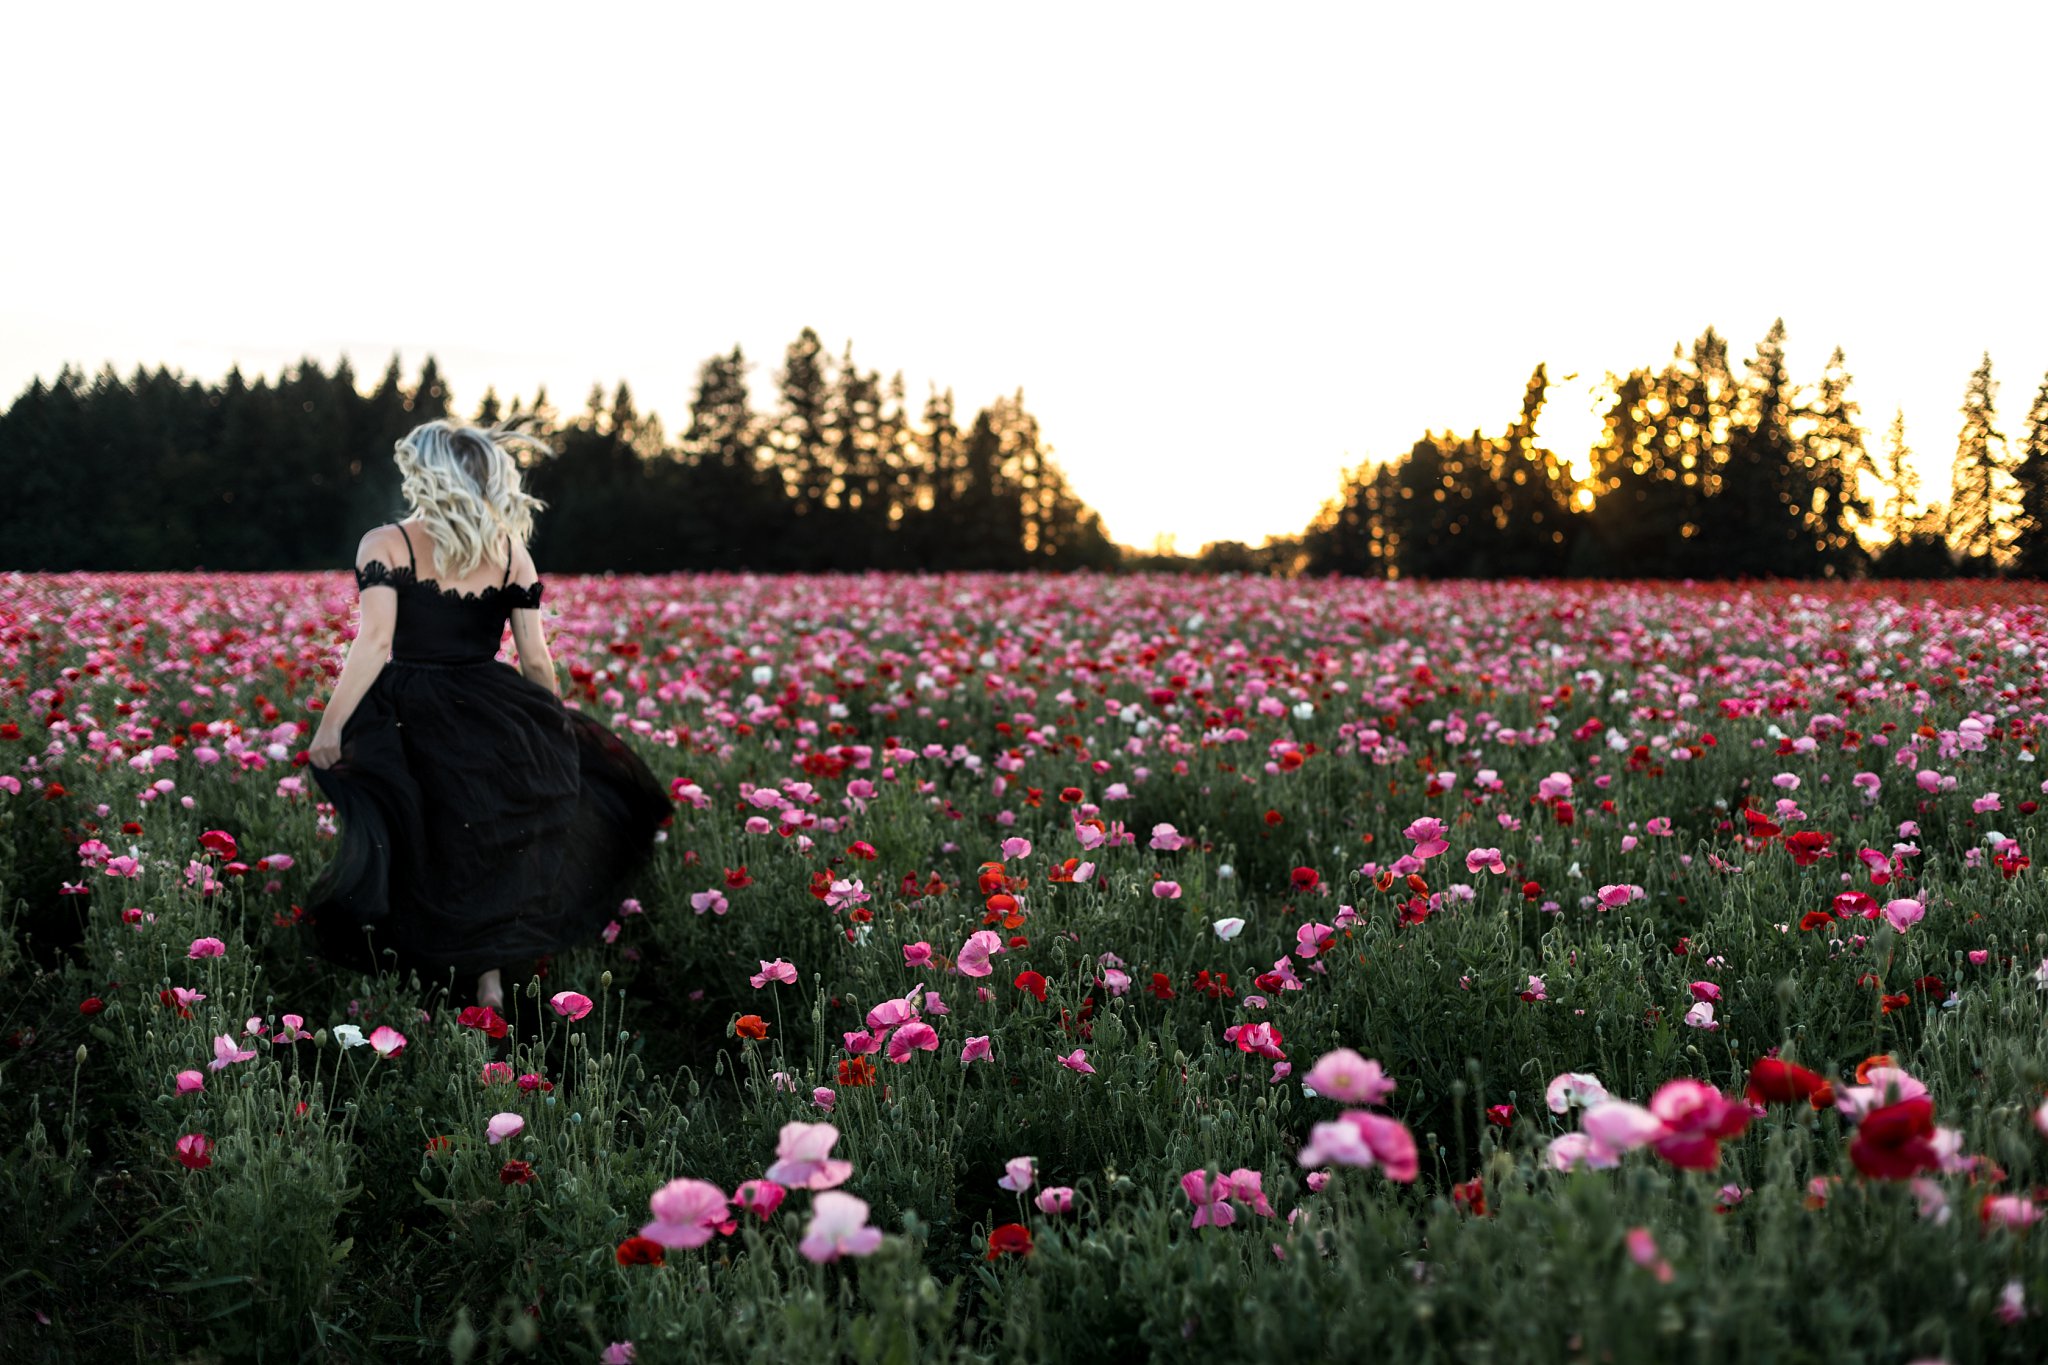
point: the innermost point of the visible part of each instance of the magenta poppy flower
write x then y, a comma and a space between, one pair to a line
571, 1005
1427, 834
194, 1151
911, 1037
1077, 1060
206, 947
760, 1197
977, 1049
189, 1081
917, 954
226, 1054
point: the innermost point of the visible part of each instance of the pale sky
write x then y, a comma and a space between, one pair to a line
1224, 250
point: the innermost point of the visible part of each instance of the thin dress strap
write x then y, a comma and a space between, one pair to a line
508, 564
410, 557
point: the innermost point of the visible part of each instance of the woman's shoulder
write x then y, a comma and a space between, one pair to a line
381, 558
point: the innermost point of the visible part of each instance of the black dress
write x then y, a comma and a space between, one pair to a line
482, 823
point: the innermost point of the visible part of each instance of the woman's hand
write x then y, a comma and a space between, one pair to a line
325, 750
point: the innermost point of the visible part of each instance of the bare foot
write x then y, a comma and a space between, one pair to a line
490, 990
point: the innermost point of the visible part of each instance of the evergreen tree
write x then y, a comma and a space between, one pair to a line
1901, 484
1981, 483
1766, 491
1835, 466
2030, 541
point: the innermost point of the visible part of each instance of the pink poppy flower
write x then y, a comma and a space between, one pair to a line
1055, 1199
1570, 1150
973, 957
1311, 939
803, 1159
911, 1037
838, 1227
502, 1126
1903, 913
760, 1197
1427, 834
1077, 1060
861, 1043
1573, 1088
889, 1014
206, 947
1345, 1076
977, 1049
917, 954
824, 1097
226, 1054
388, 1041
1016, 848
1360, 1137
194, 1151
1211, 1199
1167, 839
189, 1081
571, 1005
778, 970
1485, 860
687, 1214
1165, 890
1018, 1173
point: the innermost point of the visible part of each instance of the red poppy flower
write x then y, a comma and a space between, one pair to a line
640, 1251
1875, 1059
218, 841
516, 1172
1531, 890
750, 1026
438, 1145
1070, 795
1774, 1082
1470, 1196
1273, 817
863, 850
1162, 986
1417, 884
485, 1019
857, 1071
737, 878
1807, 847
1500, 1115
1011, 1239
1897, 1141
1815, 919
1305, 878
1032, 982
91, 1005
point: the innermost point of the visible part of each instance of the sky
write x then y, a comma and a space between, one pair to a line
1225, 251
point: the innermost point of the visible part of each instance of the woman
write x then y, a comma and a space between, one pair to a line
483, 824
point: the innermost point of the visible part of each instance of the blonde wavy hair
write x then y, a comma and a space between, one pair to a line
465, 485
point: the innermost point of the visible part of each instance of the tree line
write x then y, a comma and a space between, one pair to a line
1700, 471
159, 471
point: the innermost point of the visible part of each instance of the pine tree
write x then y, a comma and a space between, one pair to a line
1981, 483
1766, 491
1901, 483
1835, 467
2030, 541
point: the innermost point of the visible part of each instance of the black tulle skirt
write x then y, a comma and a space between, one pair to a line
482, 823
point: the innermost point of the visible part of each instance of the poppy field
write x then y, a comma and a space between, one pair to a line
1079, 968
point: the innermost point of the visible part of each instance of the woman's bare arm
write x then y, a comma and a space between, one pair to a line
366, 657
529, 638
